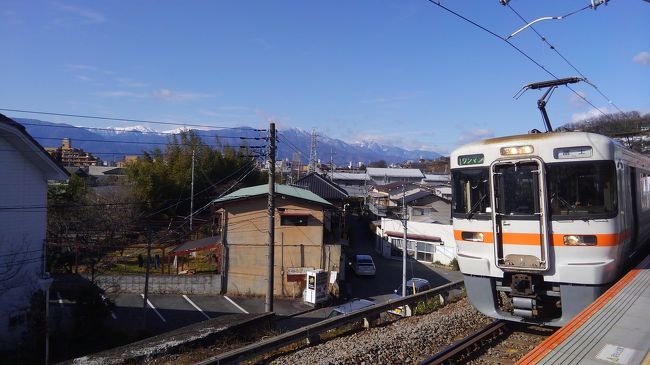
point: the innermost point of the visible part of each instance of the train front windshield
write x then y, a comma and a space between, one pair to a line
582, 190
576, 190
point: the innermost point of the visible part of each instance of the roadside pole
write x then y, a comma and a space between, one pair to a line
268, 304
404, 222
146, 280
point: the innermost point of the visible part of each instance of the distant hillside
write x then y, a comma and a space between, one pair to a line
630, 128
113, 143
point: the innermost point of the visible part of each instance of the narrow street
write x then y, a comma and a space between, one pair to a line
389, 271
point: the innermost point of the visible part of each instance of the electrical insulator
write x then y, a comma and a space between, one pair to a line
596, 3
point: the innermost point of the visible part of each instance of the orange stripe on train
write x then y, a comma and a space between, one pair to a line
534, 239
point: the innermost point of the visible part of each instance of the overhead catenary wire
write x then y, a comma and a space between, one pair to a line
545, 40
518, 50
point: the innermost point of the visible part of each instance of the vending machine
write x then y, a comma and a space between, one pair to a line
316, 290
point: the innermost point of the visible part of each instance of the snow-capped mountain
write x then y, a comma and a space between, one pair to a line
114, 142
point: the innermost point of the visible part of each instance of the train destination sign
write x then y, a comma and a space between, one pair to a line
475, 159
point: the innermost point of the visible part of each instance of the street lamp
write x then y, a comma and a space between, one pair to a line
45, 283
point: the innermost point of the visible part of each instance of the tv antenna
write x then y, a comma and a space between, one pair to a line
551, 85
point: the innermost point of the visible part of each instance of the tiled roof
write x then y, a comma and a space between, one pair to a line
285, 190
322, 186
351, 176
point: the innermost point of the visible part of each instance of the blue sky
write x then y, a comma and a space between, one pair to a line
405, 73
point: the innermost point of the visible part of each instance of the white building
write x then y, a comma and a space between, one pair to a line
385, 176
427, 242
26, 169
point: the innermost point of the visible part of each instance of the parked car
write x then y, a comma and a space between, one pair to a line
413, 286
351, 306
363, 265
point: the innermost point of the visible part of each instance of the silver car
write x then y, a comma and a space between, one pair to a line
349, 307
363, 265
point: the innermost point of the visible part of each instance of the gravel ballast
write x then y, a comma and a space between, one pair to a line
406, 341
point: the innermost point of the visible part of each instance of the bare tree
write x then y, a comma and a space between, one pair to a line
13, 261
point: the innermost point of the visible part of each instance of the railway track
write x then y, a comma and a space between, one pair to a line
500, 342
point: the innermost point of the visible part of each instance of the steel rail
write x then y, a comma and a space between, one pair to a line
314, 330
457, 348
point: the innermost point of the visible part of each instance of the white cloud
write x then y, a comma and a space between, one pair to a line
82, 67
642, 58
83, 78
122, 94
131, 83
388, 99
166, 94
89, 16
475, 135
590, 114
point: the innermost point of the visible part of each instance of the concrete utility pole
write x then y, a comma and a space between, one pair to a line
268, 304
404, 222
192, 194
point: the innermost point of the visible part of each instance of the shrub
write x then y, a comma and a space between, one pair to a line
454, 264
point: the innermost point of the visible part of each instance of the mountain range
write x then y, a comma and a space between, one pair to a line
113, 143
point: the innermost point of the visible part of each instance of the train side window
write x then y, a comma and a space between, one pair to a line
644, 190
580, 190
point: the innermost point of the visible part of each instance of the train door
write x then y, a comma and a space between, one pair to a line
521, 238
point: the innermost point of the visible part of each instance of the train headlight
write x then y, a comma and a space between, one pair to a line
472, 236
517, 150
580, 240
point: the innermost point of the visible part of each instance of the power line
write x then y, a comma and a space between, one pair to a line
41, 208
137, 131
252, 166
545, 40
517, 49
125, 119
291, 145
145, 143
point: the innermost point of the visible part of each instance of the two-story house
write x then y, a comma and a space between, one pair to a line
305, 238
26, 168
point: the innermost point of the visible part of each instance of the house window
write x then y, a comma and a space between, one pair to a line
294, 220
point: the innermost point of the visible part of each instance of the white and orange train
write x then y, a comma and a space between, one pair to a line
545, 222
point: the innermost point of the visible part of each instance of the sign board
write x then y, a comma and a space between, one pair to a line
475, 159
295, 274
333, 275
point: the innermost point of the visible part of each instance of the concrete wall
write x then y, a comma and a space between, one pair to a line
161, 284
246, 236
22, 234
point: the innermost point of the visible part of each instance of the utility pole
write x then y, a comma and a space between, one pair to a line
192, 194
146, 279
404, 222
332, 164
268, 304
